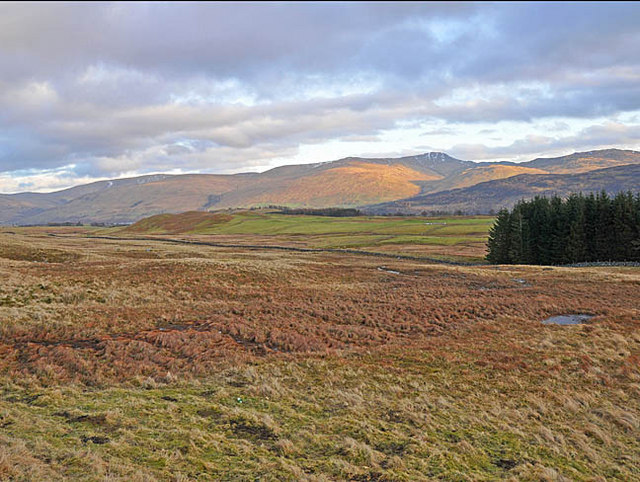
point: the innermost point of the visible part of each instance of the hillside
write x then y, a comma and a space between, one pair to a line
128, 201
13, 208
585, 161
478, 174
493, 195
348, 182
354, 184
459, 238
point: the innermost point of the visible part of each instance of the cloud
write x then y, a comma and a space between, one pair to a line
607, 135
113, 88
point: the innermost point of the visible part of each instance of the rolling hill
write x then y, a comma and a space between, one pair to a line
431, 179
346, 182
504, 193
121, 201
478, 174
585, 161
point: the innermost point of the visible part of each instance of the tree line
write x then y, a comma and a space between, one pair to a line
554, 231
333, 212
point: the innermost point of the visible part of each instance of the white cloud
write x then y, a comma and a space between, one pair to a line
99, 90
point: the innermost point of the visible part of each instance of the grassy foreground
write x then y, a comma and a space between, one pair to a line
130, 360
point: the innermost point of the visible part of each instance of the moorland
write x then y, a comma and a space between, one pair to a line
136, 354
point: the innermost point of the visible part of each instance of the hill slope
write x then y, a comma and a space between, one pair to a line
136, 198
481, 173
493, 195
346, 182
354, 184
349, 182
585, 161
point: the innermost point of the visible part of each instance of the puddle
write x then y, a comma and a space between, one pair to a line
387, 270
567, 320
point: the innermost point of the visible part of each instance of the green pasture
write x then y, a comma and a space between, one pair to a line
282, 224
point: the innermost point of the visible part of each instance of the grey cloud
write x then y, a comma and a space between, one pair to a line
602, 136
215, 38
110, 132
118, 87
264, 41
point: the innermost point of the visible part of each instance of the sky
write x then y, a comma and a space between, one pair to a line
91, 91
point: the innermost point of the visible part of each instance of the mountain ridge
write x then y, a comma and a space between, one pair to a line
490, 196
347, 182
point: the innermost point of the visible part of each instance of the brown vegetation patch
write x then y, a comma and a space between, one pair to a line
24, 252
125, 318
241, 363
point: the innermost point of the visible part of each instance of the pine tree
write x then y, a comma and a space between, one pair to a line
518, 236
590, 227
624, 228
576, 245
498, 244
604, 228
557, 231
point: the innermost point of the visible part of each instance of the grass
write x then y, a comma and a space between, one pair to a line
132, 360
366, 232
266, 223
334, 419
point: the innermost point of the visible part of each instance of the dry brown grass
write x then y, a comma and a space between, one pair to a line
129, 359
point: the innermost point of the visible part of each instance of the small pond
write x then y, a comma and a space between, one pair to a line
567, 320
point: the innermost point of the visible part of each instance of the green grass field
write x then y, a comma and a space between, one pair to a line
437, 237
270, 223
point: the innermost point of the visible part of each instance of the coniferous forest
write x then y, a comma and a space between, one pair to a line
555, 231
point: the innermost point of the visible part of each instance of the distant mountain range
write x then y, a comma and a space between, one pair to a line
427, 182
491, 196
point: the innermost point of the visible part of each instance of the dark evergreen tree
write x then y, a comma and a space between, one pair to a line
590, 227
624, 226
558, 232
499, 243
604, 228
579, 228
576, 243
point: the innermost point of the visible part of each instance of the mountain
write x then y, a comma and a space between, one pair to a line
348, 182
504, 193
585, 161
481, 173
127, 200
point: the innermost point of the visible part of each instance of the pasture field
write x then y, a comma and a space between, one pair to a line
461, 238
125, 359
